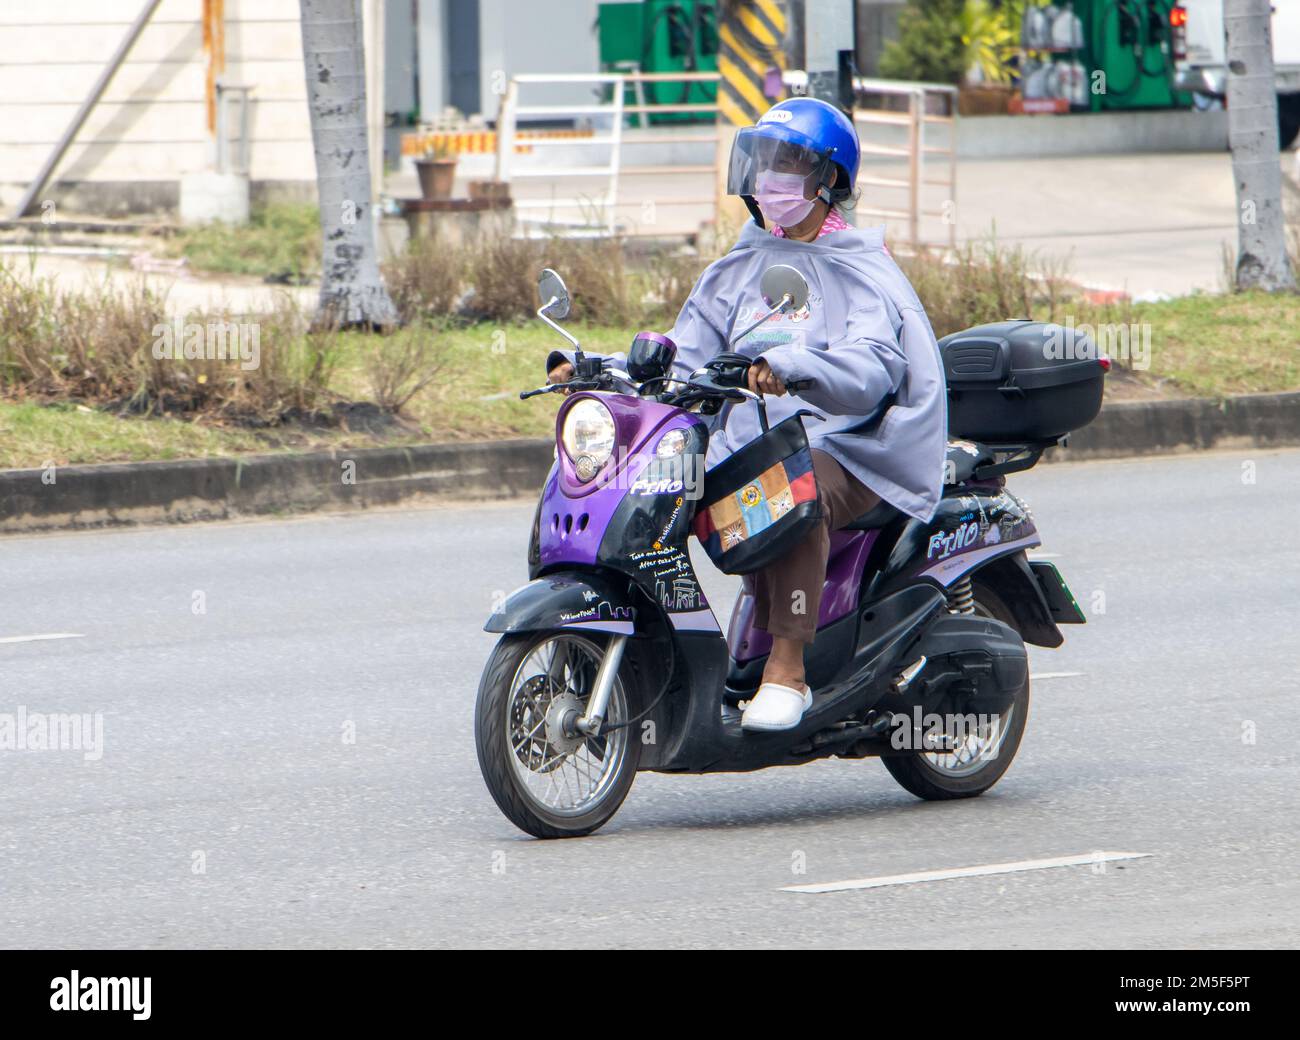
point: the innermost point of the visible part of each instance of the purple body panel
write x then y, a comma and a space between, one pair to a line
848, 558
658, 337
575, 515
978, 524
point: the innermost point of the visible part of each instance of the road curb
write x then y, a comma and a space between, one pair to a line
71, 497
1129, 428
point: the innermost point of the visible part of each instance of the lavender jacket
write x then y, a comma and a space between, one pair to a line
864, 341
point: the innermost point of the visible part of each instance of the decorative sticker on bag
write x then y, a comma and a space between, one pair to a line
758, 504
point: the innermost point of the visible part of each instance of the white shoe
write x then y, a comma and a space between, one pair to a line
776, 707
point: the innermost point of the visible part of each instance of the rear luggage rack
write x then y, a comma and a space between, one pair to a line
1021, 455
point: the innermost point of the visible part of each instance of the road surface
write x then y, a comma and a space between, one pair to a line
287, 756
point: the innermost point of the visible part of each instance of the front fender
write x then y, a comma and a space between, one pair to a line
582, 601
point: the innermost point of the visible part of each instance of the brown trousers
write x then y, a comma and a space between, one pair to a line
788, 593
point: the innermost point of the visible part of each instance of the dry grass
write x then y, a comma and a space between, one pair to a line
402, 364
984, 281
115, 349
79, 381
494, 278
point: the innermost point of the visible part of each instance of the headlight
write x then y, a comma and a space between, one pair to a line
588, 436
672, 444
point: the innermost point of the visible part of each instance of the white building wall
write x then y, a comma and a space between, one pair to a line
151, 124
530, 36
150, 127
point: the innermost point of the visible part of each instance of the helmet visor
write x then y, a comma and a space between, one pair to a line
760, 158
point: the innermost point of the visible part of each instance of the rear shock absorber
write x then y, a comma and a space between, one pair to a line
961, 598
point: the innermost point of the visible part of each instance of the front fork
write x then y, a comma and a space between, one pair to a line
590, 723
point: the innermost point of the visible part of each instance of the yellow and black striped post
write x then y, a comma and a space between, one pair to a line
751, 44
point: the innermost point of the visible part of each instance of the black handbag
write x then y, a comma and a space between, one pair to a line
761, 501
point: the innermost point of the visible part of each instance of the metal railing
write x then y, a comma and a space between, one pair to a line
916, 103
912, 107
598, 211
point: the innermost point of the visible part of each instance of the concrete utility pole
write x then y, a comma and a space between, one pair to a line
352, 291
1253, 135
824, 39
758, 42
752, 40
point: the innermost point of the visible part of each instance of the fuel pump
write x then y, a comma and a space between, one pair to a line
1132, 43
662, 36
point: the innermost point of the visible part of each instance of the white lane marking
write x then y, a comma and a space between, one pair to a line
37, 639
1053, 675
1083, 859
1045, 556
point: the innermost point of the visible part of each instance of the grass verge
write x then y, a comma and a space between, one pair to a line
281, 243
80, 381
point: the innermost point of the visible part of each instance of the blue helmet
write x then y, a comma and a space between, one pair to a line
802, 134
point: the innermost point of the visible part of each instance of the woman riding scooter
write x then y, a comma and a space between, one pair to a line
862, 347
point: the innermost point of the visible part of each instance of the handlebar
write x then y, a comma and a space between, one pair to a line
732, 369
723, 378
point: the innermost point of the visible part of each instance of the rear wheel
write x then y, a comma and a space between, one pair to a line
982, 752
548, 779
990, 605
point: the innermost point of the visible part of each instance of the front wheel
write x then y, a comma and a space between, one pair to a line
549, 780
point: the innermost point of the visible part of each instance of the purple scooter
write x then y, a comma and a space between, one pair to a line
612, 661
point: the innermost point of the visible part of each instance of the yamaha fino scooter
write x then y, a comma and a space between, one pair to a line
612, 661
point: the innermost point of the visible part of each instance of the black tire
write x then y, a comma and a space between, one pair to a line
989, 604
916, 774
495, 753
1288, 119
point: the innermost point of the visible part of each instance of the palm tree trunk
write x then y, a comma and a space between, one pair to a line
1253, 134
352, 291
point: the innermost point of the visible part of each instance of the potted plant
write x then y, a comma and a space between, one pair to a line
988, 38
963, 42
437, 169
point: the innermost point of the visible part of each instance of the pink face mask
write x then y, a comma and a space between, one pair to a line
780, 198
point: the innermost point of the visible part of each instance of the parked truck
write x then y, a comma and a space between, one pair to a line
1199, 64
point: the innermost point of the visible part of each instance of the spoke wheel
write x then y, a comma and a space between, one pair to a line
550, 779
982, 752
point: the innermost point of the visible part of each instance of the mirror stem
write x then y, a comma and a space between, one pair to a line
786, 300
541, 313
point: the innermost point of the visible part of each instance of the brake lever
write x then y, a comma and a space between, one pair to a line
552, 388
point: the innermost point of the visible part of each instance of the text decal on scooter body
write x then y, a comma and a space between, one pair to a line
945, 544
661, 486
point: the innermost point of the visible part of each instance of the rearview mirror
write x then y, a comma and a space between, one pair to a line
553, 294
780, 281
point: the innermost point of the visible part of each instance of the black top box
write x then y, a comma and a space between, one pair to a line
1021, 381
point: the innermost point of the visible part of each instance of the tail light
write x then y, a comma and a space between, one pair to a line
1178, 31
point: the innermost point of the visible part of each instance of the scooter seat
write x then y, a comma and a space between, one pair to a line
877, 516
963, 459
